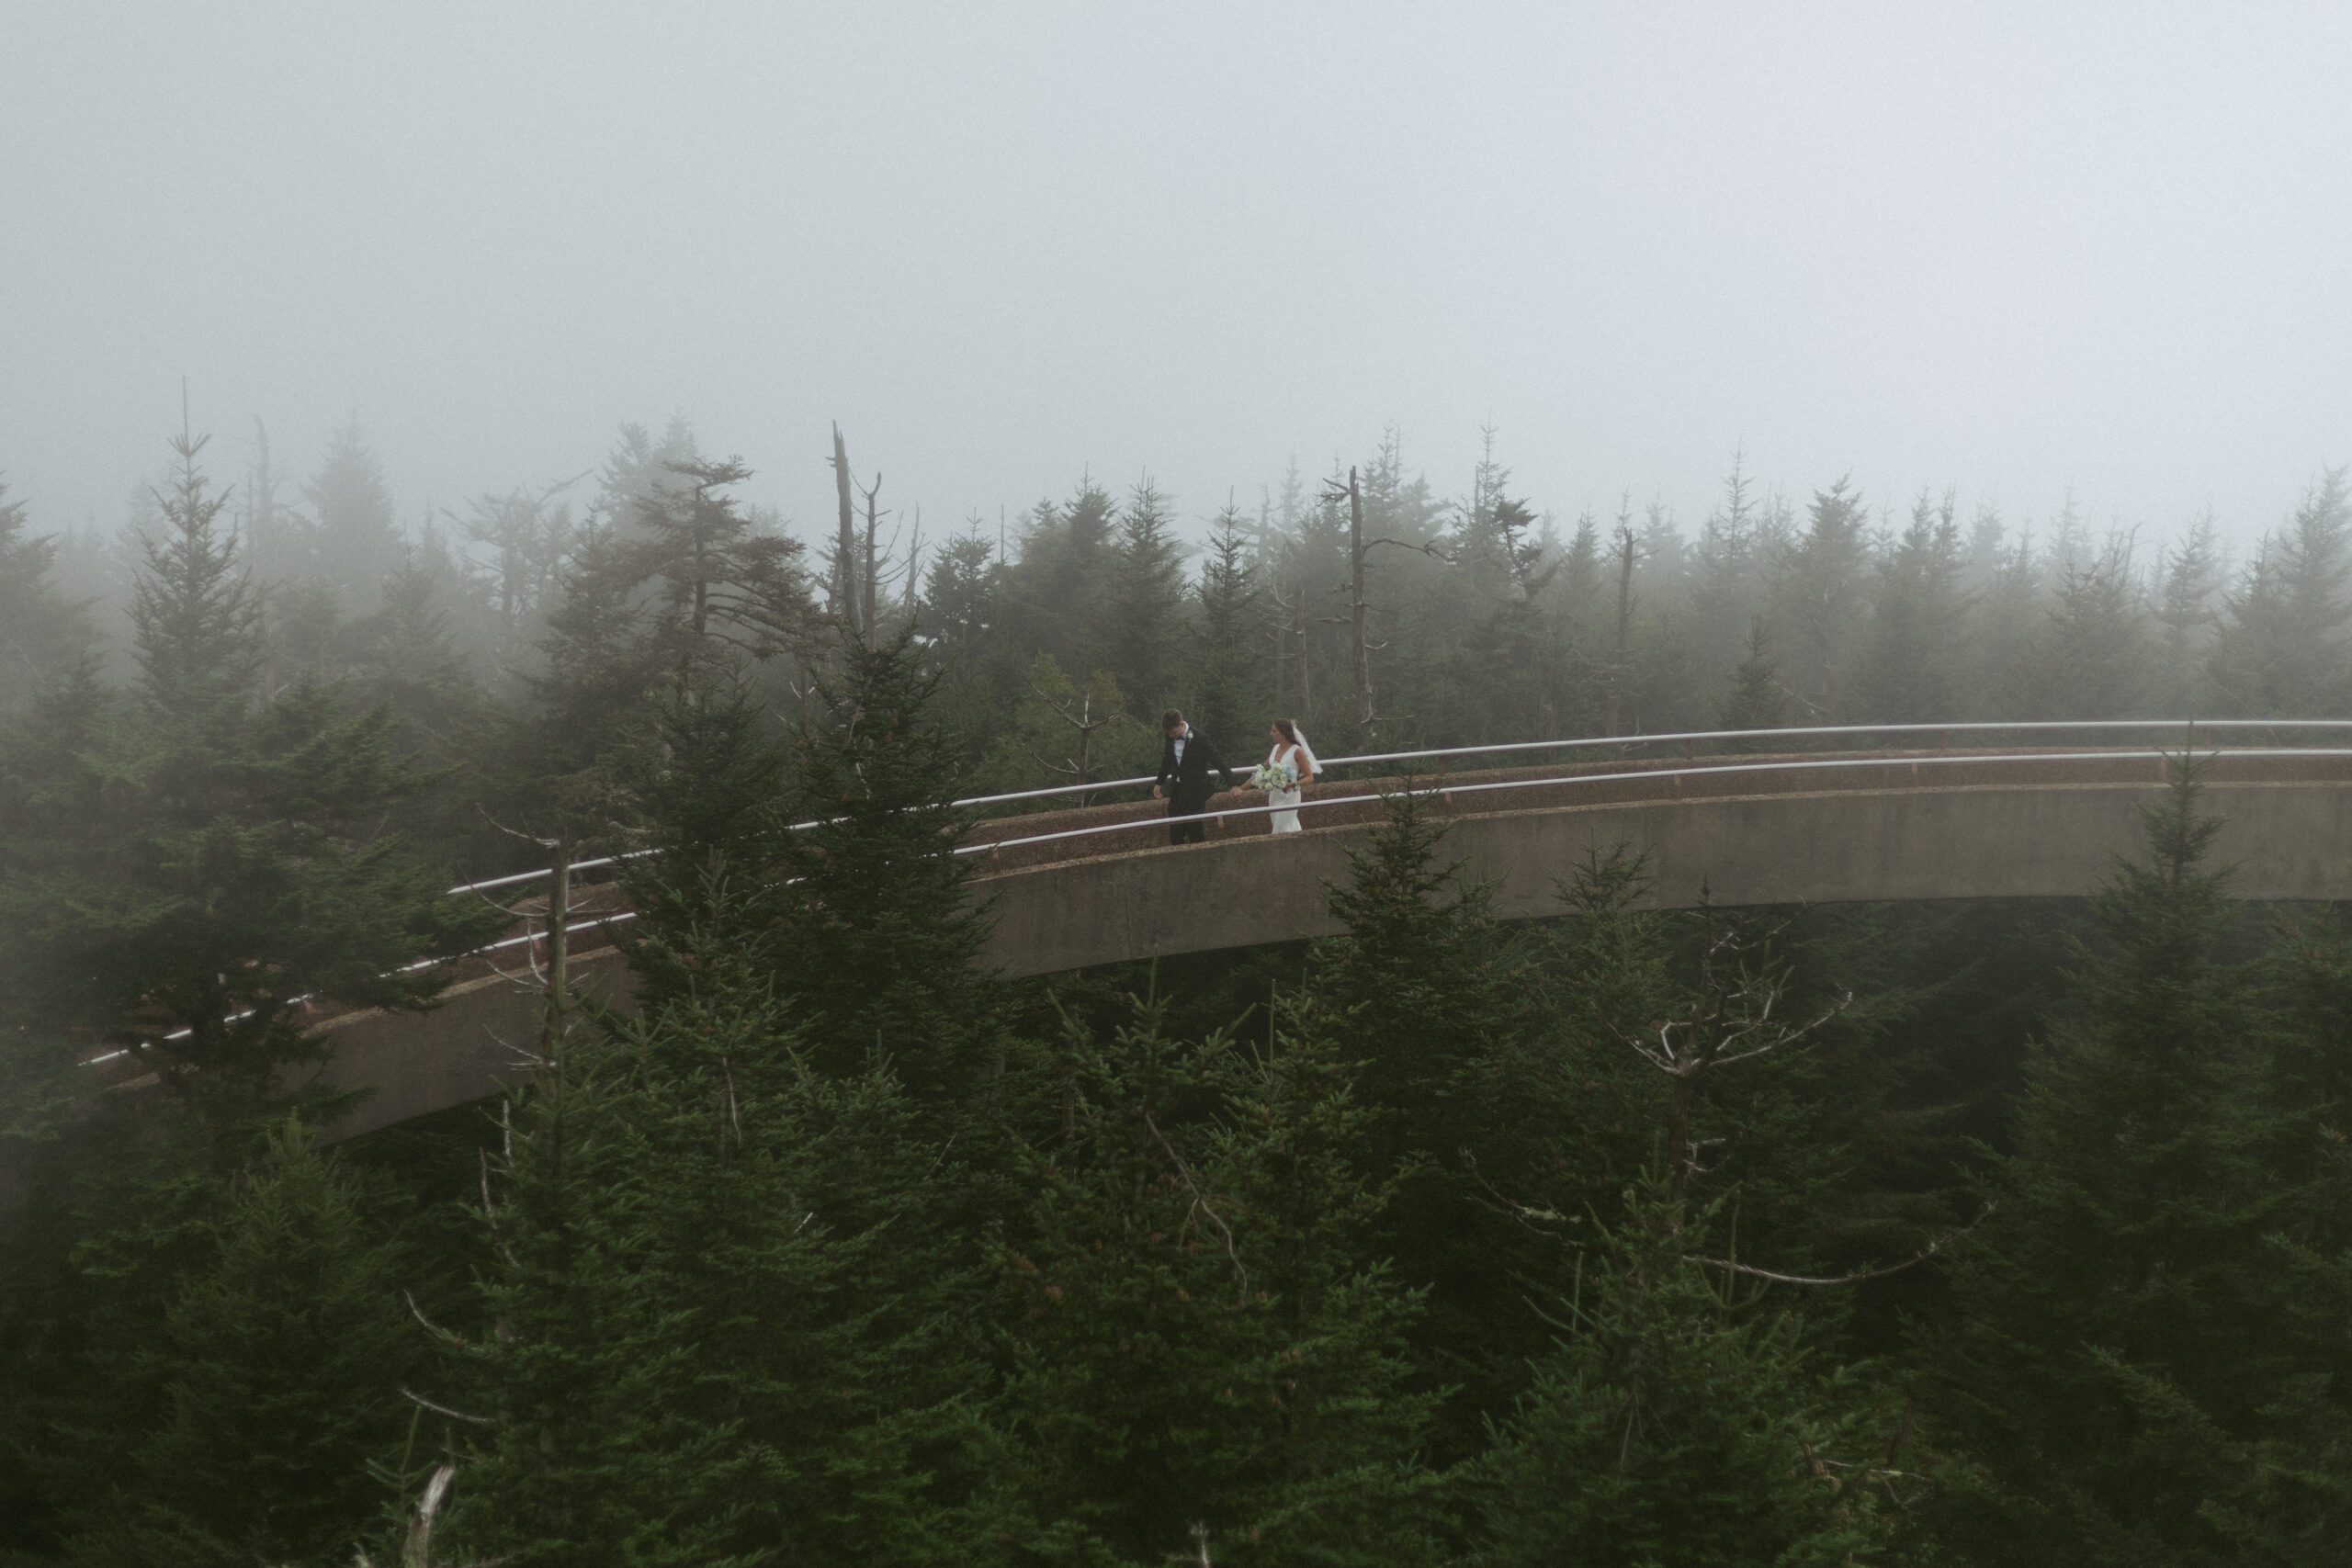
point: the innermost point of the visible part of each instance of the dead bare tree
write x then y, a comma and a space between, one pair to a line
1079, 769
1628, 548
1734, 1013
867, 614
1359, 615
845, 602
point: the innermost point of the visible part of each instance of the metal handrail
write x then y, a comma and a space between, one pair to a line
1587, 742
1783, 765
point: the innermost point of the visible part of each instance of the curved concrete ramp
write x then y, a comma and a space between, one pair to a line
2286, 840
2037, 827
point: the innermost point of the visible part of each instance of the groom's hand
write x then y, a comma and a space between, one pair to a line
1155, 792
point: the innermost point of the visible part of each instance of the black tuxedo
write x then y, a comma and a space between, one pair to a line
1185, 781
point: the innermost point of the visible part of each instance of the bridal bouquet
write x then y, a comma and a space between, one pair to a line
1270, 778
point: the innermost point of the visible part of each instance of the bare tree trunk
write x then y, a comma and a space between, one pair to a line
558, 997
845, 600
868, 615
1359, 608
1624, 623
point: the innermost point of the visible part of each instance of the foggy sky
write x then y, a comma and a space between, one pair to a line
2010, 249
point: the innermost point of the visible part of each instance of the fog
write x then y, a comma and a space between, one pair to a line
2024, 254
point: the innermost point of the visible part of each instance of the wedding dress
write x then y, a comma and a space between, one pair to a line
1286, 821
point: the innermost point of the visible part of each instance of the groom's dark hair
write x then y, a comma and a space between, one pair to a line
1170, 719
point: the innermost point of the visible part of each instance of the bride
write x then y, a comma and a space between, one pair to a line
1289, 765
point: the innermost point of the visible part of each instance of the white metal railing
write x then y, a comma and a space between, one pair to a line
1781, 765
1590, 742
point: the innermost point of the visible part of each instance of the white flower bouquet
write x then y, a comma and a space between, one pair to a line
1270, 777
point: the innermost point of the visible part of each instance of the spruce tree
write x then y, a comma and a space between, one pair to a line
2090, 659
1422, 987
1917, 621
882, 935
2117, 1335
205, 866
726, 1307
2280, 650
1821, 592
1682, 1418
1224, 688
357, 538
1145, 627
242, 1418
43, 632
1202, 1358
1755, 700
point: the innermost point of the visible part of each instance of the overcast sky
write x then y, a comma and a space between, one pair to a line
2011, 249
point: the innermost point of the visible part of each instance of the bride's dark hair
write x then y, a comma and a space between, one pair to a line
1290, 730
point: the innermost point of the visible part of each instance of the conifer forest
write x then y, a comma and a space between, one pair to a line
1978, 1233
1274, 786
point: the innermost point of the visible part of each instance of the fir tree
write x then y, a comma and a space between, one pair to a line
357, 540
1821, 588
204, 867
42, 634
725, 1293
1917, 621
1681, 1420
2280, 650
1198, 1346
2185, 617
247, 1415
2117, 1335
1757, 700
882, 937
1224, 686
2090, 659
1147, 599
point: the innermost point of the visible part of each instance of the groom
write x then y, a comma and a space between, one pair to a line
1185, 764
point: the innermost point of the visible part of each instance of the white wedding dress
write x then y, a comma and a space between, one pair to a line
1286, 760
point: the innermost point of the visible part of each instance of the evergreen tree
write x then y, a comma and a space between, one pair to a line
1918, 622
1757, 700
357, 540
1681, 1421
42, 634
1422, 989
2185, 618
1821, 590
725, 588
405, 657
1147, 602
2118, 1340
203, 868
2091, 658
1225, 687
246, 1414
2280, 650
1201, 1362
882, 937
706, 797
726, 1309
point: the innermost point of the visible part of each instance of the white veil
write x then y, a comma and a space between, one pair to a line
1313, 766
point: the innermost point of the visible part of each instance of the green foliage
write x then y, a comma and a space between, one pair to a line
882, 935
1196, 1338
724, 1303
42, 634
182, 876
2126, 1355
248, 1352
1681, 1420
